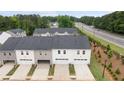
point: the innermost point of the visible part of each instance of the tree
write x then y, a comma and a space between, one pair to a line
117, 71
65, 22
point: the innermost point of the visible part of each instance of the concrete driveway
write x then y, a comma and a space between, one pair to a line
83, 72
5, 69
41, 72
61, 72
21, 72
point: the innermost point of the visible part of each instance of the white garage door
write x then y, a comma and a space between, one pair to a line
26, 61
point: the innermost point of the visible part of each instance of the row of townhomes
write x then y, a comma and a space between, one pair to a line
51, 45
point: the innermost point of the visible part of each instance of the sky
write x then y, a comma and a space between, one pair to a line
56, 13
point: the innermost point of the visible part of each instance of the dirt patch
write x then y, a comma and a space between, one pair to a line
114, 62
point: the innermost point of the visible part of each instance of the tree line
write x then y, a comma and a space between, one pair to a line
113, 22
29, 22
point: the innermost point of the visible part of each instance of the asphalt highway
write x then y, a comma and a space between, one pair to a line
102, 34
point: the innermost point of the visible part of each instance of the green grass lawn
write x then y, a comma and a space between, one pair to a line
71, 70
114, 47
32, 69
95, 68
51, 70
12, 71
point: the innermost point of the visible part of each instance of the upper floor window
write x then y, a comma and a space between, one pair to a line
83, 52
58, 51
22, 53
4, 54
64, 52
10, 54
40, 53
27, 53
78, 52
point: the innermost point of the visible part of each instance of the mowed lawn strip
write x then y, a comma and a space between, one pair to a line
95, 68
32, 69
72, 70
51, 70
114, 47
12, 71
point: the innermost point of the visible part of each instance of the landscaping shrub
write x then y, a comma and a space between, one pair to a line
51, 70
12, 71
99, 55
71, 69
105, 51
110, 65
111, 72
109, 69
117, 71
32, 69
115, 78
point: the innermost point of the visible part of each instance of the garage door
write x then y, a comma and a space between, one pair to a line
8, 61
43, 61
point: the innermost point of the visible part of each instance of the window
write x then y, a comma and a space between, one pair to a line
40, 53
25, 59
4, 54
21, 52
78, 52
61, 59
10, 54
59, 52
80, 59
27, 53
64, 52
83, 52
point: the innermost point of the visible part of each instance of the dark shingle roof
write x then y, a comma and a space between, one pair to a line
16, 30
53, 30
44, 43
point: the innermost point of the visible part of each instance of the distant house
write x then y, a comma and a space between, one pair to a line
3, 37
16, 32
53, 50
55, 31
53, 25
11, 33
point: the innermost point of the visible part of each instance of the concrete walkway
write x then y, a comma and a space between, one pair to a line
21, 72
5, 69
41, 72
61, 72
83, 72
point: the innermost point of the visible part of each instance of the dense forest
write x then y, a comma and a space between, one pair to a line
113, 22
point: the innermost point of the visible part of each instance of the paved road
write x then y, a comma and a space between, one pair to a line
61, 72
5, 69
21, 72
104, 35
41, 72
83, 72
